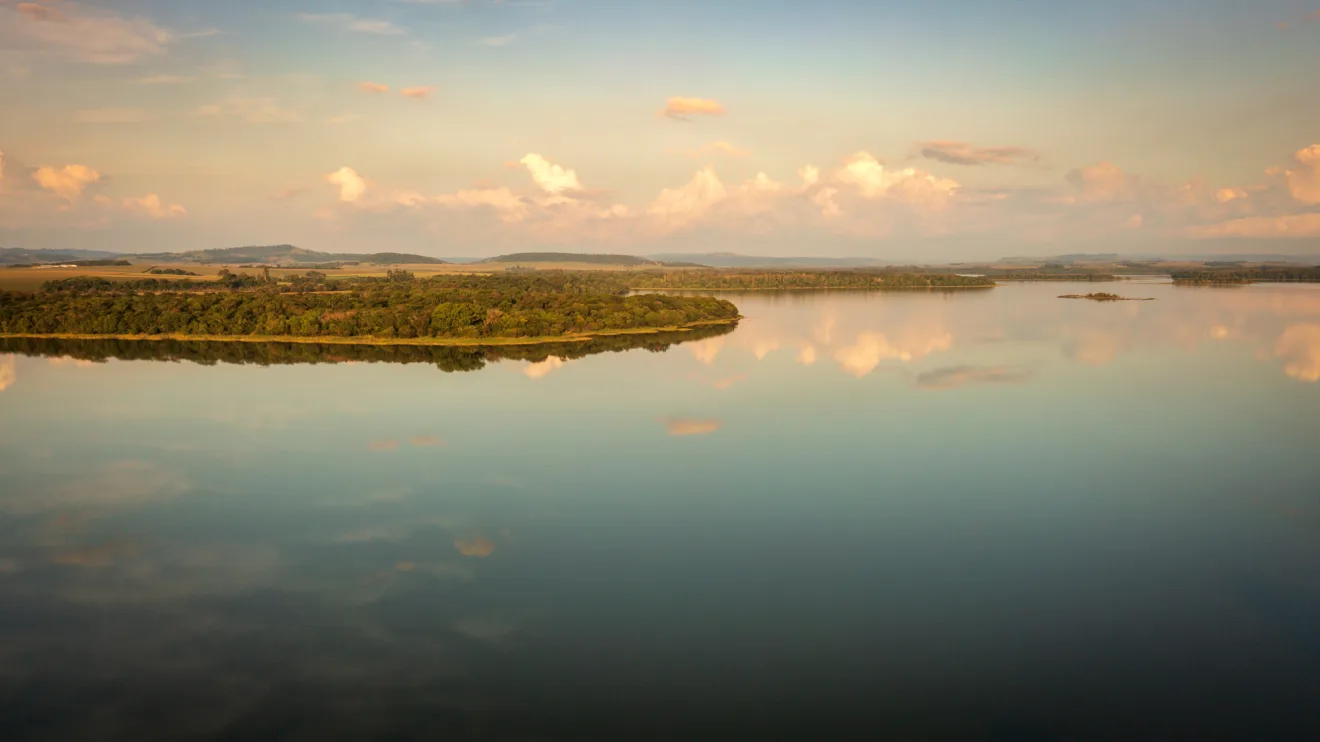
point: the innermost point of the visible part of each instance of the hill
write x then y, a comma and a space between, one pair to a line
20, 255
282, 255
734, 260
570, 257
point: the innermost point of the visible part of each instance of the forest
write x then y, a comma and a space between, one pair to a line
1240, 274
797, 279
395, 307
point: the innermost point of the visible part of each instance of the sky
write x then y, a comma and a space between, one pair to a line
934, 131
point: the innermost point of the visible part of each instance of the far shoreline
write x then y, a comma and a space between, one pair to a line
371, 340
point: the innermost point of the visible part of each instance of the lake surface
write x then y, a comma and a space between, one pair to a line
971, 515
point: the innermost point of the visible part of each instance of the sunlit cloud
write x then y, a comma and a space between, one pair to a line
683, 108
1291, 225
1299, 346
953, 377
1304, 178
474, 545
67, 182
87, 34
550, 177
351, 185
420, 92
373, 87
151, 205
807, 355
871, 348
685, 427
1103, 181
963, 153
265, 110
873, 181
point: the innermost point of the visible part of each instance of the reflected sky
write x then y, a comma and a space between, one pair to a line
974, 515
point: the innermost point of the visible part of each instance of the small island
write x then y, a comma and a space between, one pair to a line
1102, 296
461, 309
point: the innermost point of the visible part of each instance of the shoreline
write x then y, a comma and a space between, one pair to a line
824, 288
370, 340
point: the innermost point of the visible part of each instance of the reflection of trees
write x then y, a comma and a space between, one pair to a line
446, 358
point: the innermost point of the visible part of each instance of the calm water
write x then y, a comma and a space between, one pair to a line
973, 515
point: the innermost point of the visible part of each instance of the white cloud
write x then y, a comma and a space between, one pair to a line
350, 22
550, 177
351, 185
151, 205
679, 207
1304, 181
873, 181
67, 182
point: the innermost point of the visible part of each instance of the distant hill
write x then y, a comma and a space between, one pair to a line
23, 256
734, 260
571, 257
282, 255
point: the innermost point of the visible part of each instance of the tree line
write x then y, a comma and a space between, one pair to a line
399, 306
797, 279
1249, 275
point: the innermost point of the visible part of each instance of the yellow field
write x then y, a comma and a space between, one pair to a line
30, 279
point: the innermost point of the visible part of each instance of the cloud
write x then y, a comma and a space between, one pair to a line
953, 377
116, 486
1299, 346
1103, 181
807, 356
2, 165
387, 444
1304, 181
504, 40
1292, 225
706, 351
682, 108
475, 545
90, 35
718, 149
420, 92
351, 185
8, 373
510, 206
963, 153
152, 206
109, 116
683, 427
873, 181
542, 369
67, 182
106, 555
550, 177
870, 348
265, 110
373, 87
728, 382
349, 22
679, 207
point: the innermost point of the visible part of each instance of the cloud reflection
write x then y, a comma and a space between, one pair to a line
870, 348
8, 373
475, 545
1299, 346
692, 427
541, 369
953, 377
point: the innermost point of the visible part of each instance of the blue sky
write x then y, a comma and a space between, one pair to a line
941, 129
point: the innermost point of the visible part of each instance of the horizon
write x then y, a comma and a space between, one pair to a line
481, 128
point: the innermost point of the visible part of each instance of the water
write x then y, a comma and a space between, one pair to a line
973, 515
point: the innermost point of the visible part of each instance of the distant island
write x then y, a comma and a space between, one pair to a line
1101, 296
765, 280
396, 309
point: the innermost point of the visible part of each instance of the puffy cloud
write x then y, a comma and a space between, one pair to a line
109, 116
1225, 195
682, 108
373, 87
1304, 181
351, 185
419, 92
962, 153
679, 207
543, 368
684, 427
1103, 181
873, 181
810, 175
349, 22
550, 177
1291, 225
90, 35
718, 149
67, 182
870, 348
1299, 346
152, 206
510, 206
807, 356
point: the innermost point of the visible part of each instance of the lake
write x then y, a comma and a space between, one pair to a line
989, 514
